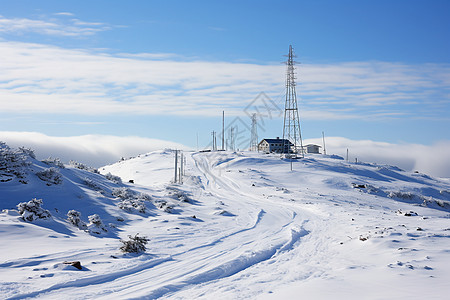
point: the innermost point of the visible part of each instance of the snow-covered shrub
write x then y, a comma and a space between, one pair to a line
13, 163
50, 175
123, 193
32, 210
28, 151
130, 200
165, 206
144, 197
96, 225
113, 178
430, 202
406, 214
56, 162
74, 218
91, 184
402, 195
179, 195
82, 166
135, 244
131, 204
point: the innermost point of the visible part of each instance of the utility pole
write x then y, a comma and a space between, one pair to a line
223, 130
176, 166
291, 126
181, 167
214, 145
324, 149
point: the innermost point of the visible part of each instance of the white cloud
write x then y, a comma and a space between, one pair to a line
64, 13
429, 159
99, 150
45, 79
54, 27
94, 150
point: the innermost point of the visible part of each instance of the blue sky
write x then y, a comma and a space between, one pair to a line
369, 70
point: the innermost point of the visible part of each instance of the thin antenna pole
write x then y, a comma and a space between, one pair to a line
324, 149
181, 167
176, 167
214, 142
223, 130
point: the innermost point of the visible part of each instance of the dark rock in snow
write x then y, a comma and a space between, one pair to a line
75, 264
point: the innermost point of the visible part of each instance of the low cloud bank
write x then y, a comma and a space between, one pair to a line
93, 150
429, 159
100, 150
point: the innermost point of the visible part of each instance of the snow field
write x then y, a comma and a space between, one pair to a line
241, 226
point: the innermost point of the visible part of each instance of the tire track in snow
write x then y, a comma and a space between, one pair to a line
233, 266
221, 239
207, 263
94, 280
243, 261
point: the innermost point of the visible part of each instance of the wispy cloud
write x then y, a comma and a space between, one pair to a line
54, 26
63, 13
429, 159
46, 79
99, 150
94, 150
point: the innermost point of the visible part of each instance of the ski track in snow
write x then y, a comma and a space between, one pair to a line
207, 253
297, 228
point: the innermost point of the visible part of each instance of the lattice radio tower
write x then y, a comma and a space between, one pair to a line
291, 127
254, 136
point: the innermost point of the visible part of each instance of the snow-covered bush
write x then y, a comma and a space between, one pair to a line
144, 197
406, 214
130, 201
131, 204
28, 151
165, 206
32, 210
91, 184
96, 225
113, 178
135, 244
13, 163
74, 218
82, 166
179, 195
402, 195
56, 162
123, 193
50, 175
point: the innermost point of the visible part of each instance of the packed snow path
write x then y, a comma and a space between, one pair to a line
253, 228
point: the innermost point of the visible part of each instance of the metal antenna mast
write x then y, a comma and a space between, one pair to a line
291, 127
254, 136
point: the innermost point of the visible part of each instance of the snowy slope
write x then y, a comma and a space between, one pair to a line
242, 225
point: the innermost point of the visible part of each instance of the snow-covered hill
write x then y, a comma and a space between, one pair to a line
242, 225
